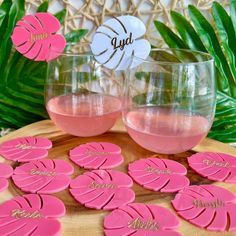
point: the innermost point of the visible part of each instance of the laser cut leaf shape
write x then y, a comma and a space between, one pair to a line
119, 28
214, 166
159, 174
43, 176
101, 155
42, 212
5, 172
34, 37
25, 149
103, 189
129, 219
207, 206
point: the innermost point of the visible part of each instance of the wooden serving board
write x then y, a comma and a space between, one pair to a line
83, 221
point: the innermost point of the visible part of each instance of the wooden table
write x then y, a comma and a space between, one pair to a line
82, 221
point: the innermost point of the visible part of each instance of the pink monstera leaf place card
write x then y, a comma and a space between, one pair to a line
35, 37
159, 174
207, 206
214, 166
25, 149
103, 189
97, 155
141, 219
45, 176
31, 214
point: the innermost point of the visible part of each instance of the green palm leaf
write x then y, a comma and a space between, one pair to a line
226, 34
43, 7
22, 80
171, 39
187, 33
233, 12
219, 41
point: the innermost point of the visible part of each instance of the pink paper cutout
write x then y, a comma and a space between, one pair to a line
159, 174
207, 206
25, 149
214, 166
140, 219
103, 189
43, 176
94, 155
5, 172
34, 37
31, 214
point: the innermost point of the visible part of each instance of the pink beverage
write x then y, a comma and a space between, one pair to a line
84, 115
164, 130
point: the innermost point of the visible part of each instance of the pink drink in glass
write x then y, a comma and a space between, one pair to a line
84, 115
165, 131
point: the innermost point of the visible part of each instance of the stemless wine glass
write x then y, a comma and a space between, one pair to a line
82, 97
169, 100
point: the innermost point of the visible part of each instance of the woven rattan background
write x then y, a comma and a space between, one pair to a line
91, 13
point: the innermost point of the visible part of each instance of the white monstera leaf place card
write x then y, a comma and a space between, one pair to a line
117, 40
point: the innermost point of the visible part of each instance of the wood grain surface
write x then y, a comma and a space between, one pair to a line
83, 221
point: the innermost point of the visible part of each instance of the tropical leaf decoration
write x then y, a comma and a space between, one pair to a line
30, 26
22, 80
218, 39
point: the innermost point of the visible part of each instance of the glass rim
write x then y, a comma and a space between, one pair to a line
207, 56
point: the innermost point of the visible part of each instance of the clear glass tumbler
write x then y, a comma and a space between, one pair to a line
82, 97
169, 100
